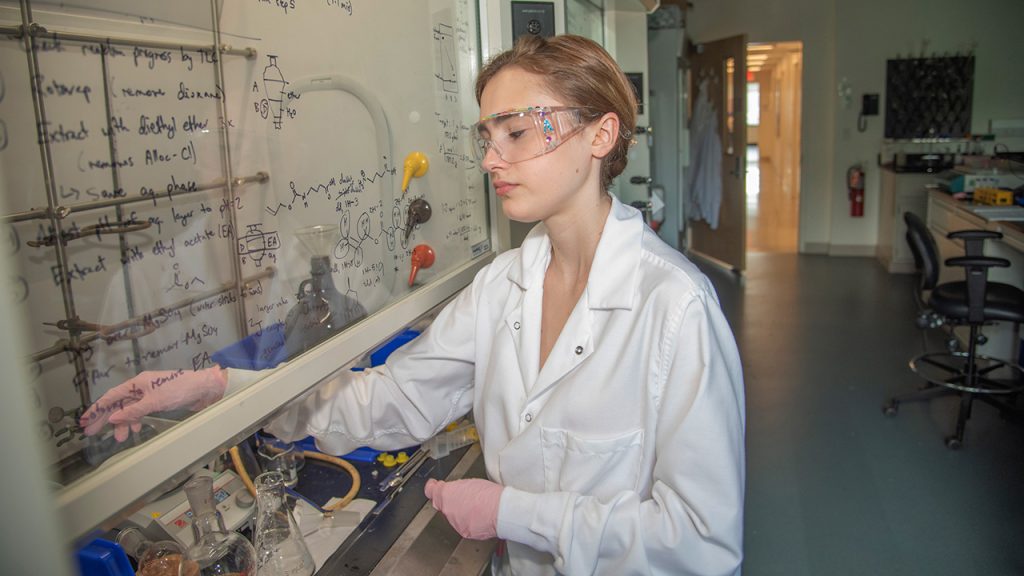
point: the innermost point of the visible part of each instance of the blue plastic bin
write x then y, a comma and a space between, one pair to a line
104, 558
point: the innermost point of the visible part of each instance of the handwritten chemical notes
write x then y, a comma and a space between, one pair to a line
159, 193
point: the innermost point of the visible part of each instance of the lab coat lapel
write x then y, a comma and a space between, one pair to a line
523, 323
612, 285
574, 345
523, 318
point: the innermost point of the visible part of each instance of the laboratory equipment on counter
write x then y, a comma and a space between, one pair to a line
409, 467
161, 558
320, 311
171, 517
276, 454
215, 551
415, 166
419, 213
280, 549
445, 442
422, 257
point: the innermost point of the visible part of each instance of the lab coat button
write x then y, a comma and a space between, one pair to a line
579, 350
516, 325
528, 417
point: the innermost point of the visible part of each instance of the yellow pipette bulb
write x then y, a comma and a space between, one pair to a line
416, 165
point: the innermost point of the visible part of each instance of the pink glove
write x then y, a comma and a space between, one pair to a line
471, 505
153, 391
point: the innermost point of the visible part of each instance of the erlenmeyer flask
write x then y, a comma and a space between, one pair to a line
161, 558
280, 548
216, 551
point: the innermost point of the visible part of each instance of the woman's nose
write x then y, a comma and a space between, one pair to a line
491, 159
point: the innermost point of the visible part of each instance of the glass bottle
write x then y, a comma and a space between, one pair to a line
161, 558
280, 549
321, 311
216, 551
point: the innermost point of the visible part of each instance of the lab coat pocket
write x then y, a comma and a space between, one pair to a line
596, 466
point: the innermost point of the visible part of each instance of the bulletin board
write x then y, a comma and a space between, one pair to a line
162, 163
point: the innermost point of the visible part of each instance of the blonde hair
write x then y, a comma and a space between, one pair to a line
582, 73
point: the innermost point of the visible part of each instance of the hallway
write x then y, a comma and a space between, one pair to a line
833, 486
772, 209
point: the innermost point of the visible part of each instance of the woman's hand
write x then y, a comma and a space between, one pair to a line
153, 391
471, 505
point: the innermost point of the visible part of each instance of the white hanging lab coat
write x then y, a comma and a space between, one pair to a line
705, 182
623, 455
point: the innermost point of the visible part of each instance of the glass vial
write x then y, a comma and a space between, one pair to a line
280, 549
216, 551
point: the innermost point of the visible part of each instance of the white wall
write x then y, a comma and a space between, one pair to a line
625, 34
853, 40
864, 45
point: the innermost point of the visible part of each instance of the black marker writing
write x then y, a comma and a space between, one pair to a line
60, 134
186, 93
59, 89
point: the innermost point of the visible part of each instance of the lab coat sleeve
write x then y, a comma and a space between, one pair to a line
693, 521
422, 387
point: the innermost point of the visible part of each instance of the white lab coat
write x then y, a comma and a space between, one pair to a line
704, 187
623, 455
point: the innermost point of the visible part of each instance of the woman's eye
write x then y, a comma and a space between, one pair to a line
516, 134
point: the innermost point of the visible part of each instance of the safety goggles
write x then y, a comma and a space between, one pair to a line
525, 133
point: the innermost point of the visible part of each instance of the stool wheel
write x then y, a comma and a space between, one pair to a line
953, 443
891, 408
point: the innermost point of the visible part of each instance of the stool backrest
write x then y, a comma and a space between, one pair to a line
926, 252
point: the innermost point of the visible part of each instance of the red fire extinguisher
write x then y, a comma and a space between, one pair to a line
855, 190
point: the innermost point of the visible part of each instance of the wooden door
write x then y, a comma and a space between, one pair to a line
721, 67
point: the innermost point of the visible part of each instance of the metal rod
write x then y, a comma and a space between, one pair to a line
64, 344
115, 177
229, 192
65, 211
35, 30
51, 197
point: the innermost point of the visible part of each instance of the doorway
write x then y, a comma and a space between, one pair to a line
774, 91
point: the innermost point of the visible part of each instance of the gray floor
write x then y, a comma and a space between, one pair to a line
833, 486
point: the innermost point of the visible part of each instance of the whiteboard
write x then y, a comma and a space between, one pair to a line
213, 164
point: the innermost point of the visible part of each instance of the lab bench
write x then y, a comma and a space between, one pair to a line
945, 215
409, 536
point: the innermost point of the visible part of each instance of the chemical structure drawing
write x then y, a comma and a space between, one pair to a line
335, 189
183, 284
275, 98
445, 60
257, 244
350, 246
352, 308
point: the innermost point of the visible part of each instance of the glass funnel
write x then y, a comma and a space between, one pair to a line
280, 548
320, 239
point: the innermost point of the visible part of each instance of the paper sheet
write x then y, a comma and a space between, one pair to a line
323, 536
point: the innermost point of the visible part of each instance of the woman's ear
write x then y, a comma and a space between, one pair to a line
606, 135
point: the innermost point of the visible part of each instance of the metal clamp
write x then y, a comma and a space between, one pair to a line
97, 229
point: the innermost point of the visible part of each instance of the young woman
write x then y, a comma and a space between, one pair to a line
602, 375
